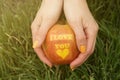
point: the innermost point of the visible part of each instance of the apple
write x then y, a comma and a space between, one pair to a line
60, 45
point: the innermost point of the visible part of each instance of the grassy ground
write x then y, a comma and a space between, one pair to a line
19, 62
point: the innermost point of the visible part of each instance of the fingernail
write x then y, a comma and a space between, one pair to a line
72, 68
35, 44
82, 49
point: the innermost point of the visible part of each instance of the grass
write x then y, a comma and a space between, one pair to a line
18, 61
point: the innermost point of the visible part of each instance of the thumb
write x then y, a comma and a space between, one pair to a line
81, 42
41, 34
80, 37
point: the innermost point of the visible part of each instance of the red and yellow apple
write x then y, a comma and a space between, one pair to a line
60, 45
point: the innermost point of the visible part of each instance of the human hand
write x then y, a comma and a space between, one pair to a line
46, 17
84, 26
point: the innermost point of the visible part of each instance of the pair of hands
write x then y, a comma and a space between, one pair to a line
79, 18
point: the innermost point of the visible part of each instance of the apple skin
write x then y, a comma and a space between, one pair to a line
60, 45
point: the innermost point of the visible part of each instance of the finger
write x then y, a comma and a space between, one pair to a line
42, 56
34, 28
35, 25
42, 32
91, 39
79, 60
83, 57
37, 22
91, 33
80, 36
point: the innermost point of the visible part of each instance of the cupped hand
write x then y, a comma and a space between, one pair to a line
84, 26
46, 17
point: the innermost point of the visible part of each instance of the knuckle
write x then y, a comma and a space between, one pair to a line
96, 27
93, 32
32, 25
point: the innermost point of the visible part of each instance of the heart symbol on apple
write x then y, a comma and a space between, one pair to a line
62, 53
